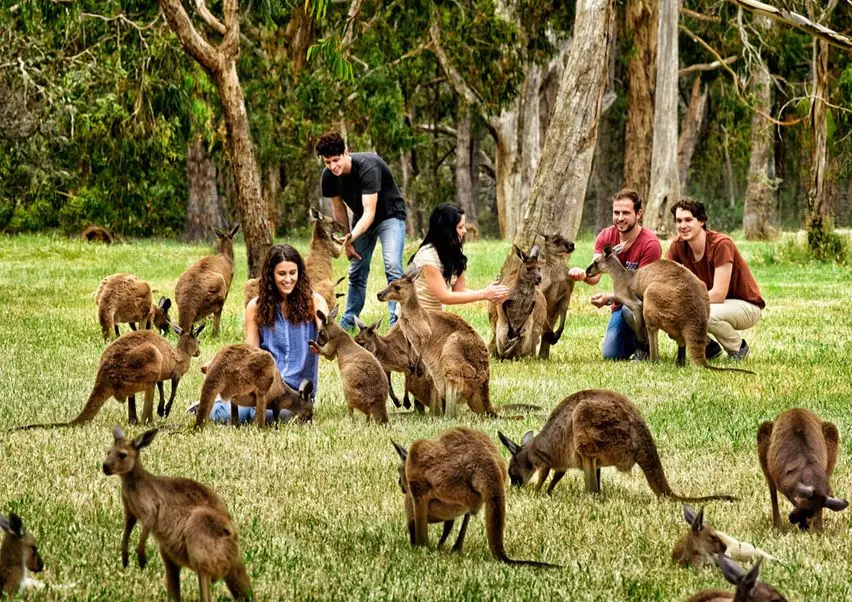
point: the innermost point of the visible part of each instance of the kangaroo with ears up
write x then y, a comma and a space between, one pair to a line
189, 521
18, 555
797, 453
700, 546
590, 430
749, 589
557, 287
457, 472
665, 296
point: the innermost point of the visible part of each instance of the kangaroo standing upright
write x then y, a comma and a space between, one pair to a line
589, 430
203, 287
189, 521
557, 287
797, 453
18, 555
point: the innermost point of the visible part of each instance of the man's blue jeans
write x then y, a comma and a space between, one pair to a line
619, 341
220, 413
392, 234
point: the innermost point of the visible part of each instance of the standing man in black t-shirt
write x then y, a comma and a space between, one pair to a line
364, 183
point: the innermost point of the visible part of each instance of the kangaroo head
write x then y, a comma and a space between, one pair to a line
749, 589
401, 289
604, 262
161, 315
305, 411
403, 456
555, 244
188, 341
329, 334
225, 241
123, 456
17, 537
531, 264
366, 336
521, 466
324, 228
701, 545
809, 501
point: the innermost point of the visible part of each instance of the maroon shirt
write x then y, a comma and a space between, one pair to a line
644, 250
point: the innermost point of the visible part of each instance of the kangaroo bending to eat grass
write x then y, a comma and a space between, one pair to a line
18, 555
456, 473
749, 589
125, 298
589, 430
665, 296
189, 521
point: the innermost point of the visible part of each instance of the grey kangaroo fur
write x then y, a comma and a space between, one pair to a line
517, 323
665, 296
365, 385
188, 520
18, 555
457, 472
247, 376
749, 589
797, 452
135, 362
700, 546
126, 298
557, 287
203, 287
589, 430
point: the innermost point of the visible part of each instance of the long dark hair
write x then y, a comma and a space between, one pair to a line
296, 307
442, 235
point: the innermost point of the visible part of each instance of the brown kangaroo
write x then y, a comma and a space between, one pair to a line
126, 298
135, 362
18, 555
98, 234
323, 247
517, 324
454, 354
665, 296
557, 287
589, 430
203, 287
797, 453
700, 546
247, 375
365, 385
189, 521
453, 474
749, 589
395, 355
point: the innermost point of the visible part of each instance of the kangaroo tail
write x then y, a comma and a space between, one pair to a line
715, 369
495, 523
30, 427
696, 353
93, 405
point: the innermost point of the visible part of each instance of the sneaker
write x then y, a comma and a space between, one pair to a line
741, 354
712, 350
640, 355
193, 409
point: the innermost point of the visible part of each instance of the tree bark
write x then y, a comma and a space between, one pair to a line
819, 142
759, 206
665, 181
203, 207
693, 124
798, 21
409, 193
271, 188
559, 188
641, 23
465, 194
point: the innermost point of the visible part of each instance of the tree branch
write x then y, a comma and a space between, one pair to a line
351, 17
699, 16
195, 45
455, 79
487, 164
706, 66
230, 46
209, 19
796, 20
437, 129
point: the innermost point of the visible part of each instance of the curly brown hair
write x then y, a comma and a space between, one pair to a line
696, 208
331, 144
296, 307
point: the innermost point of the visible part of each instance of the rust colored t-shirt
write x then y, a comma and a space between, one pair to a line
644, 250
719, 250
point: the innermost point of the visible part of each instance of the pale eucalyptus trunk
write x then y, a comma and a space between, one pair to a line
693, 125
465, 189
204, 210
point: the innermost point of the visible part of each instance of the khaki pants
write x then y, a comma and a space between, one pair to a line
729, 317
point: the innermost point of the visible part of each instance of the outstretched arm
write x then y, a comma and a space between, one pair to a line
435, 281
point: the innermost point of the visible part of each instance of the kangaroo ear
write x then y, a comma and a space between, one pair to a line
376, 325
165, 303
4, 524
804, 491
145, 439
117, 433
521, 255
836, 504
178, 330
513, 447
334, 311
233, 231
360, 324
697, 521
413, 273
747, 585
323, 318
314, 215
198, 330
16, 525
403, 453
732, 571
688, 514
219, 233
306, 387
527, 438
534, 252
607, 250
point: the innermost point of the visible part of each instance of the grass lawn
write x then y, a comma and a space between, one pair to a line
319, 512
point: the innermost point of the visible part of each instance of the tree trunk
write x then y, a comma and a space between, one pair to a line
665, 182
729, 169
759, 206
559, 188
203, 207
641, 24
693, 124
817, 225
271, 188
465, 194
409, 193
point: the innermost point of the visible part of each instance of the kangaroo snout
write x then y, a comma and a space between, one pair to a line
107, 469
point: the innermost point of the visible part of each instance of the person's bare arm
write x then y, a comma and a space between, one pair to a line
338, 209
252, 329
369, 202
435, 281
721, 283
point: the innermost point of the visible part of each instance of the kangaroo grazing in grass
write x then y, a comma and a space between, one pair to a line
247, 375
797, 453
517, 323
589, 430
189, 521
557, 287
203, 287
395, 355
365, 385
126, 298
749, 589
454, 354
665, 296
18, 555
700, 546
458, 472
98, 234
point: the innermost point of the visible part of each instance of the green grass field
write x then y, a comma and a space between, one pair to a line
318, 509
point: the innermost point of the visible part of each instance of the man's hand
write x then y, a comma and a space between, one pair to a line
350, 251
577, 274
601, 299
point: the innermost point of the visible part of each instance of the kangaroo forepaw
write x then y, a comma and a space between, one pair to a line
167, 410
125, 558
142, 559
161, 410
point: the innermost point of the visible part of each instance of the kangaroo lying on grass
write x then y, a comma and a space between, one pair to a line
126, 298
797, 453
749, 589
557, 288
203, 287
590, 430
665, 296
18, 555
247, 376
453, 474
135, 362
189, 521
702, 544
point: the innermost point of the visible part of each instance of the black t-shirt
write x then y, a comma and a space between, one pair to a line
369, 175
